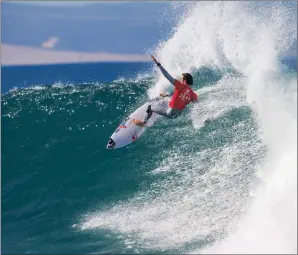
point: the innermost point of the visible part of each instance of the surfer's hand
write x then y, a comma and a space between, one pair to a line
154, 60
163, 94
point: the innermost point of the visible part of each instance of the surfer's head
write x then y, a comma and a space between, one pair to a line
186, 77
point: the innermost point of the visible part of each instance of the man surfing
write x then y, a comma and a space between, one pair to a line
182, 96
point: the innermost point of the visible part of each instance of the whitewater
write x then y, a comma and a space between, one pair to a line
239, 196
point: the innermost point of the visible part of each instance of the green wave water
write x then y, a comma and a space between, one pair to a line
63, 192
184, 186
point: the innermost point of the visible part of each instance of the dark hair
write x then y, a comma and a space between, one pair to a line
188, 78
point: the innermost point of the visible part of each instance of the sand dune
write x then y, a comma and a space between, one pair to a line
23, 55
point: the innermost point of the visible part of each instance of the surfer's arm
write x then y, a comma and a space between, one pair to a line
166, 74
167, 94
164, 71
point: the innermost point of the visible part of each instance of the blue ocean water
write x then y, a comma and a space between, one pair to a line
67, 73
63, 192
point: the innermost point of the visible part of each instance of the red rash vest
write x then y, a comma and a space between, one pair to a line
182, 96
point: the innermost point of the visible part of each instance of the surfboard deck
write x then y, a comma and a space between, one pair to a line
128, 132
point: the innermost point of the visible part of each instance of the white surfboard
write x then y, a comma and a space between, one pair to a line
128, 132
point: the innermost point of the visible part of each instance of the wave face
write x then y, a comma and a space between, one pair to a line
237, 191
185, 187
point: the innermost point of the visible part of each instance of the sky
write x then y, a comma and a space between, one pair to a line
111, 27
84, 31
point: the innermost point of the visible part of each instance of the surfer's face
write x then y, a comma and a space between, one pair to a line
184, 79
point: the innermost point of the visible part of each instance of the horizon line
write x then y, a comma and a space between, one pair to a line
19, 55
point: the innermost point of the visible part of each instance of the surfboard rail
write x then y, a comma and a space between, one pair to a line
127, 132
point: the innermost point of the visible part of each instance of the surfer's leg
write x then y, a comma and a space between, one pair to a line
164, 111
148, 114
159, 109
156, 99
172, 113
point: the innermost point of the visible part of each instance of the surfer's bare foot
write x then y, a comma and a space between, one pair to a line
138, 122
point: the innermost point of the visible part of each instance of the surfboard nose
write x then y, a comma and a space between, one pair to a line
111, 144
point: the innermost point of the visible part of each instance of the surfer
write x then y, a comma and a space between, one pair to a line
182, 96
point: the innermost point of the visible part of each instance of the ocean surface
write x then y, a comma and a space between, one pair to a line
184, 187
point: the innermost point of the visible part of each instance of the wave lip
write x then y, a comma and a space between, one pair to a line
203, 199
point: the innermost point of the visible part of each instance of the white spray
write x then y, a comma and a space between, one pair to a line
198, 206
